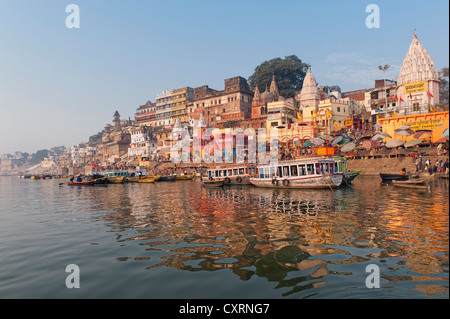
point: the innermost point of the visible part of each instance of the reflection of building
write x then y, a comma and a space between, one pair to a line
418, 82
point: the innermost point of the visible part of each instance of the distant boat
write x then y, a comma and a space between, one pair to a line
116, 180
92, 182
167, 178
146, 180
186, 177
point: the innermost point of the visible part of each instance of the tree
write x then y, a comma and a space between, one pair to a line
443, 89
289, 74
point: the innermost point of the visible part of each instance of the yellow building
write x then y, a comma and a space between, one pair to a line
437, 122
180, 99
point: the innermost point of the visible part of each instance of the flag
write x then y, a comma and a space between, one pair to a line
329, 113
299, 116
432, 108
377, 117
315, 124
429, 94
410, 95
396, 97
401, 100
392, 99
315, 113
395, 114
336, 124
363, 120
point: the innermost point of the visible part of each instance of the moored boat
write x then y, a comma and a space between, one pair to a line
394, 177
167, 178
146, 179
233, 175
416, 183
185, 177
213, 182
313, 172
116, 180
90, 182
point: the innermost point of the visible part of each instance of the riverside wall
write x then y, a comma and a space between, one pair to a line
369, 166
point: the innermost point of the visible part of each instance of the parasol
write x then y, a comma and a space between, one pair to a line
361, 139
336, 140
307, 144
348, 147
378, 137
404, 127
445, 132
413, 142
406, 132
394, 143
385, 134
369, 144
442, 139
377, 124
344, 140
317, 141
423, 134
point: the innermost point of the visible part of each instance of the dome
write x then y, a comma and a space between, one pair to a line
267, 96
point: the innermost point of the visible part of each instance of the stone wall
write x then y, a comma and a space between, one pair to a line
388, 165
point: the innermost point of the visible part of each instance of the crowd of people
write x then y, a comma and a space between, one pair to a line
439, 166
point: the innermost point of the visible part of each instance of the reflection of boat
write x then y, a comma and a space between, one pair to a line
312, 172
442, 175
417, 183
167, 178
185, 177
146, 180
213, 182
238, 175
394, 177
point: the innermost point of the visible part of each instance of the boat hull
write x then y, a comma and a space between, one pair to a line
350, 176
146, 180
167, 178
306, 182
184, 177
393, 177
116, 180
237, 180
214, 183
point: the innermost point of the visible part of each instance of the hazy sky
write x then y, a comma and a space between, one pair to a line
58, 86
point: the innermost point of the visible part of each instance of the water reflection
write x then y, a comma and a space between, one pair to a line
299, 239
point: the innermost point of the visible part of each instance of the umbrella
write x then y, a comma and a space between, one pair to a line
336, 140
445, 132
377, 124
317, 141
442, 139
385, 134
307, 144
404, 127
369, 144
394, 143
348, 147
413, 142
363, 138
377, 137
406, 132
423, 134
344, 140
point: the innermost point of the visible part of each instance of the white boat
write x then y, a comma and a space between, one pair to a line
311, 172
236, 175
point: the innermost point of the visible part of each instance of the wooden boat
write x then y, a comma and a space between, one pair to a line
235, 175
167, 178
349, 176
306, 173
116, 180
394, 177
82, 183
146, 180
213, 182
416, 183
186, 177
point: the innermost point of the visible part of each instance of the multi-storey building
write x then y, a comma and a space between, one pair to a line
223, 108
146, 114
164, 108
179, 104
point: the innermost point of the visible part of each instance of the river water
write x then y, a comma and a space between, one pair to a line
180, 240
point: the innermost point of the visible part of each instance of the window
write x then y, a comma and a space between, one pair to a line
261, 172
285, 170
294, 170
279, 171
338, 108
310, 169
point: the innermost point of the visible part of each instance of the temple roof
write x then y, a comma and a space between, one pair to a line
417, 65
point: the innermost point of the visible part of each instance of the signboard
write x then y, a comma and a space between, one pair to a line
415, 87
348, 122
427, 124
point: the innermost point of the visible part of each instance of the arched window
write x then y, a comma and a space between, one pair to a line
261, 111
